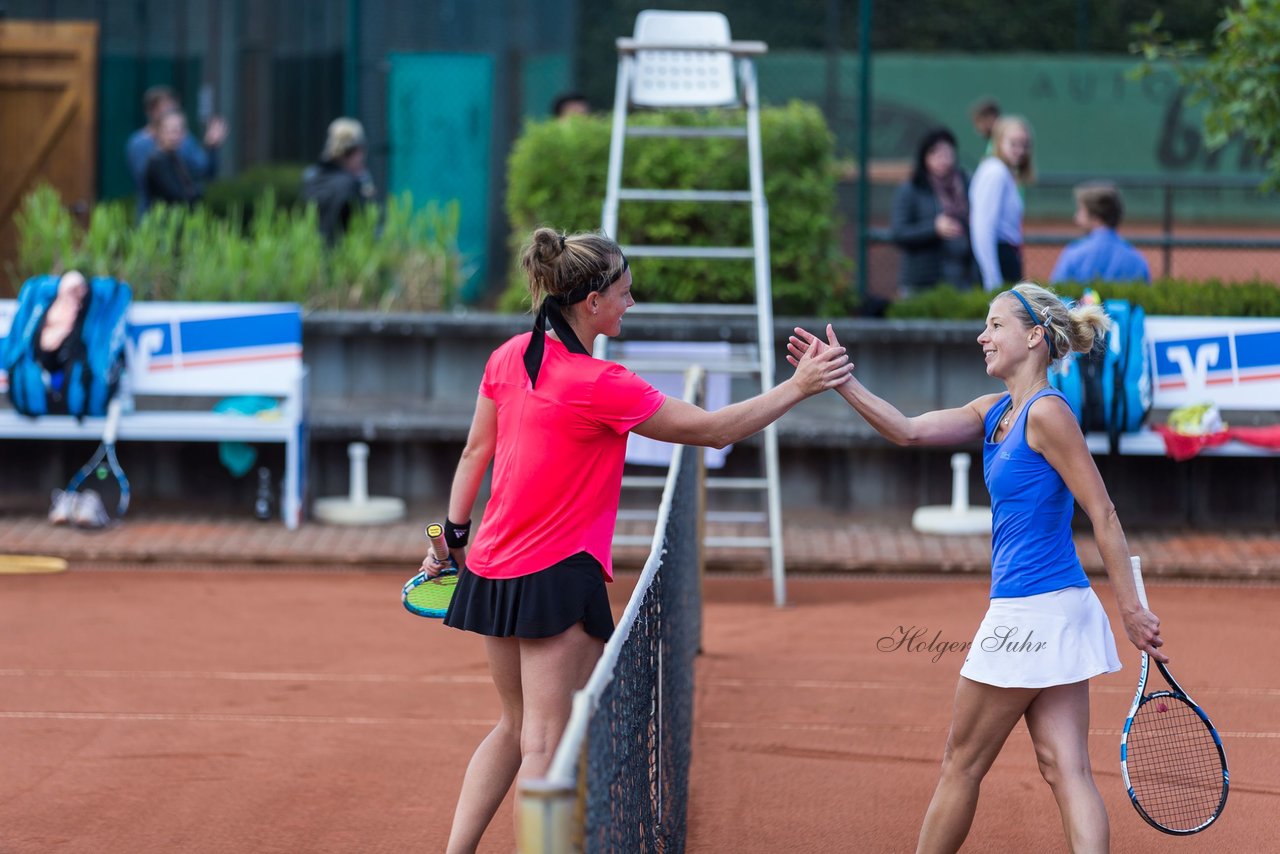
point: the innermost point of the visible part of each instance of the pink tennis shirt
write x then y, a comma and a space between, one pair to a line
557, 468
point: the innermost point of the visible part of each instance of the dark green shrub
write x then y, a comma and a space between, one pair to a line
556, 176
245, 189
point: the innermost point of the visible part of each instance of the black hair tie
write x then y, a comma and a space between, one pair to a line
550, 314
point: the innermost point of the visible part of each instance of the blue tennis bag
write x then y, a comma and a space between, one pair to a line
1109, 388
86, 383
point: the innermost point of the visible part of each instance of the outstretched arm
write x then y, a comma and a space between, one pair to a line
1053, 431
683, 423
940, 427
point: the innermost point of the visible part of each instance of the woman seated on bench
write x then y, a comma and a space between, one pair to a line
58, 340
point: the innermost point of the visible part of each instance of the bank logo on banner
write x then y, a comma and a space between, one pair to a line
1232, 362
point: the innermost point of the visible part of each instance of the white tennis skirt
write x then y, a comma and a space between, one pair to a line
1054, 638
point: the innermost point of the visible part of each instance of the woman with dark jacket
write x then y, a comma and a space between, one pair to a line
166, 178
339, 185
930, 220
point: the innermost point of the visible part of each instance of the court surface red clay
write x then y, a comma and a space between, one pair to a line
255, 710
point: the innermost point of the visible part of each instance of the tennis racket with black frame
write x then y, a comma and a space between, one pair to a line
427, 596
1171, 756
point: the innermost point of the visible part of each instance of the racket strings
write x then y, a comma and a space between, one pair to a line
1174, 764
434, 593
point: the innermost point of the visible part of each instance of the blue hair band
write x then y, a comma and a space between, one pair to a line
1048, 338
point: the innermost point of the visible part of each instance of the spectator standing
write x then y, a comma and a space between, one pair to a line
983, 114
1102, 254
995, 203
200, 161
930, 219
570, 104
339, 184
167, 178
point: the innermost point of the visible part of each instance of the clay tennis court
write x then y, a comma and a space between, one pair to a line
171, 709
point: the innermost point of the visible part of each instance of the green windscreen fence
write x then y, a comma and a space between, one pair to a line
1090, 117
543, 78
440, 129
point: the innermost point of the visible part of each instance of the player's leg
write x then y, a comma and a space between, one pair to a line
494, 764
1059, 722
552, 669
983, 717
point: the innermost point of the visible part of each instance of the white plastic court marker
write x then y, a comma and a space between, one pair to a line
359, 507
958, 517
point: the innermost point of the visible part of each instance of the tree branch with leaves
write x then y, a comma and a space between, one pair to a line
1235, 75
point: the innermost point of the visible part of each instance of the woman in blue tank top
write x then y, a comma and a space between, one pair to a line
1045, 633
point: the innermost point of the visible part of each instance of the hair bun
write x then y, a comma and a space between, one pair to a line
548, 244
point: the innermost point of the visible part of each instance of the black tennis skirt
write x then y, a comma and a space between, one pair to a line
539, 605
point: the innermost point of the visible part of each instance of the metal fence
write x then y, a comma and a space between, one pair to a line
1177, 224
281, 70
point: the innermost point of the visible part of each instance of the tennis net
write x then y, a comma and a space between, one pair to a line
619, 781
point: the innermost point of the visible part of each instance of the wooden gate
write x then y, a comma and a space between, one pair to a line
48, 103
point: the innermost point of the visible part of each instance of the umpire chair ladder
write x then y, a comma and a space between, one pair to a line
688, 60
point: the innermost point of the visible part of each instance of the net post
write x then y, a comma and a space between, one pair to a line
547, 811
553, 808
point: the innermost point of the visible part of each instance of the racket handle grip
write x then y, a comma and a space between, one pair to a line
435, 541
112, 426
1136, 563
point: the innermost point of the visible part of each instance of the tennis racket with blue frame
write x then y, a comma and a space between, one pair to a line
1171, 756
427, 596
104, 461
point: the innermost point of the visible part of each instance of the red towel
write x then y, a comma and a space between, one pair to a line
1180, 446
1262, 437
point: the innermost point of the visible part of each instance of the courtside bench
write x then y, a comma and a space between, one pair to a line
183, 357
1232, 362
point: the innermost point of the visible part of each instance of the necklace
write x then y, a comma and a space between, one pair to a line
1008, 416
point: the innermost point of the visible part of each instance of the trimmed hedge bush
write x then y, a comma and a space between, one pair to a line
1208, 298
245, 189
557, 172
392, 257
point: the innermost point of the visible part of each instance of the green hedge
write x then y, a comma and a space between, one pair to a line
1208, 298
392, 257
245, 189
557, 174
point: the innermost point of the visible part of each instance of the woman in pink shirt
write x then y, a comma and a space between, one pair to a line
554, 421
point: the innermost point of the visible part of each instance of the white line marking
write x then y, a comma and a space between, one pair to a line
243, 676
942, 685
204, 717
911, 728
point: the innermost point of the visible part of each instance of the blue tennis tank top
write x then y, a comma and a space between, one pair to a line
1031, 508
